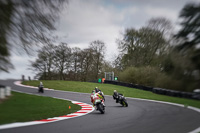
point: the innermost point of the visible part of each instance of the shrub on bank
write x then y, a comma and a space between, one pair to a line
152, 76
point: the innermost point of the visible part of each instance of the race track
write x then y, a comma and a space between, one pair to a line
139, 117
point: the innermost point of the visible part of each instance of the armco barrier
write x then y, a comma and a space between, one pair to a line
157, 90
129, 85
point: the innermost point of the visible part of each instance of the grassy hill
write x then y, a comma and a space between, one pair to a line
108, 89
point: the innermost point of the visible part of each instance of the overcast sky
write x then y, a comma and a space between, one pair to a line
84, 21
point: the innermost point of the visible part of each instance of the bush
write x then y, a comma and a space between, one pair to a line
165, 81
142, 75
152, 76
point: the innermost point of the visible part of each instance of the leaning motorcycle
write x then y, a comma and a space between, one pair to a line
98, 102
123, 101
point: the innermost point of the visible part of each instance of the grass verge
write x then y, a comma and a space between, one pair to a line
24, 107
87, 87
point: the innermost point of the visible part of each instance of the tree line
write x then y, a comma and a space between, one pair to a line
153, 55
65, 63
157, 56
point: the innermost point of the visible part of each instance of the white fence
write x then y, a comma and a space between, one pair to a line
4, 92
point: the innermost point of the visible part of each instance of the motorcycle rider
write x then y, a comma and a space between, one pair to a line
41, 84
97, 90
41, 87
116, 96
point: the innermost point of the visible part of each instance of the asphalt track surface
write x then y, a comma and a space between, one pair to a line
139, 117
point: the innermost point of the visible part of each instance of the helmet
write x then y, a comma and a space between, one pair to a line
96, 89
115, 91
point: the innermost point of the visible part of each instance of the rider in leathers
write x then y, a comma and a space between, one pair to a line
96, 90
116, 96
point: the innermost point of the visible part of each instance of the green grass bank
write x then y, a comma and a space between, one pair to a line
24, 107
108, 89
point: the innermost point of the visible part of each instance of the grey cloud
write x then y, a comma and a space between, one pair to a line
88, 20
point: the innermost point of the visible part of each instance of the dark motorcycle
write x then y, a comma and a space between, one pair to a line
122, 100
41, 89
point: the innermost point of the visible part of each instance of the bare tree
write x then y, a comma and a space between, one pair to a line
165, 27
98, 48
161, 24
62, 59
140, 47
44, 62
76, 61
86, 63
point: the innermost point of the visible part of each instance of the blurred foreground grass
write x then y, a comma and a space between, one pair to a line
108, 89
24, 107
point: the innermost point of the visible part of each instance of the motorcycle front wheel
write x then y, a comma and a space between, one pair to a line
125, 104
101, 108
